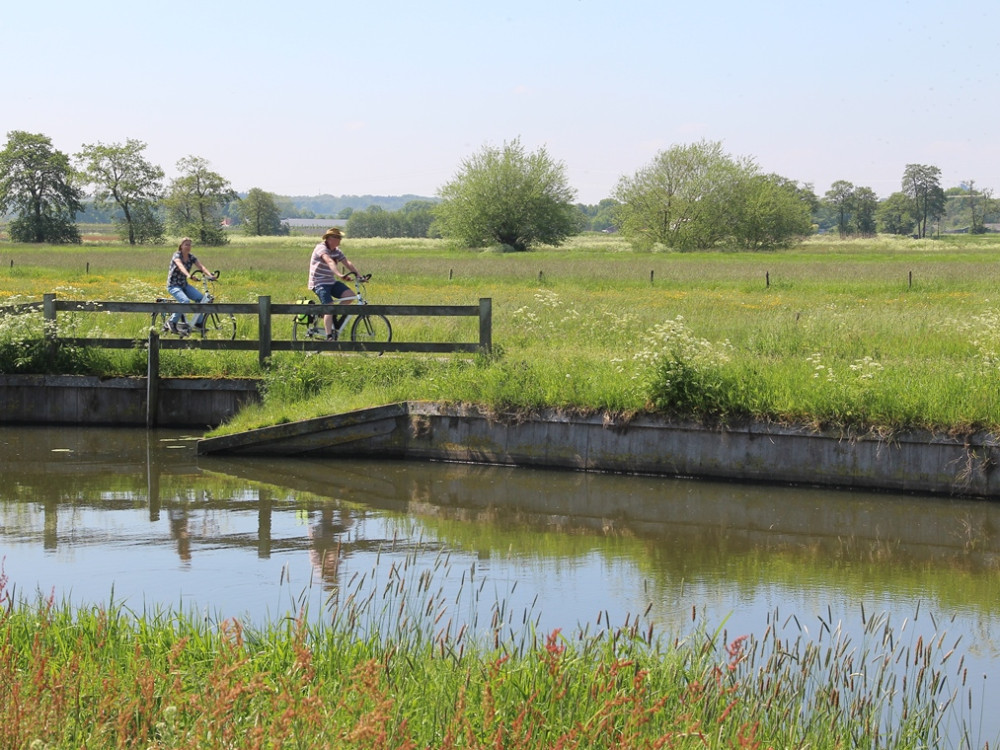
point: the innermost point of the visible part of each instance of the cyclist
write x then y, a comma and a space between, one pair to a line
179, 283
325, 278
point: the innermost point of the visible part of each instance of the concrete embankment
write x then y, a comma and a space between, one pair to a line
77, 399
913, 462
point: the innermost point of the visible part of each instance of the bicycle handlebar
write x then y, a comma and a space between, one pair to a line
196, 275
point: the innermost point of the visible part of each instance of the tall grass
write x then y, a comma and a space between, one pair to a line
881, 334
393, 666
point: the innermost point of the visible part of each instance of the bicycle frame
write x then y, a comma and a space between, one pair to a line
362, 327
210, 320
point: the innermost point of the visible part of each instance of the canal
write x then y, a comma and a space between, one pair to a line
97, 515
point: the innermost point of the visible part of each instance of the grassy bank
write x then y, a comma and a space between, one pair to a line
877, 334
385, 671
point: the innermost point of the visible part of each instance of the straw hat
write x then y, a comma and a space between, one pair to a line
333, 232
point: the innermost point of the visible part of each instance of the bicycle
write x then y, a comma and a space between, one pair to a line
364, 327
213, 325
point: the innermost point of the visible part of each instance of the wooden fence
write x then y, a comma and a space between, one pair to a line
264, 311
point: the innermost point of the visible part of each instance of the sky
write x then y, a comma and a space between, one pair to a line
384, 97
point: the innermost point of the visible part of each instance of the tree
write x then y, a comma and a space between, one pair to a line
679, 200
922, 185
865, 206
771, 212
508, 197
696, 196
196, 200
840, 198
36, 183
894, 216
259, 214
606, 216
122, 177
980, 204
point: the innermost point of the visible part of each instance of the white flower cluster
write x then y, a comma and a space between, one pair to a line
673, 339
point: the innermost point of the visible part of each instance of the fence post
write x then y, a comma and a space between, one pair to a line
50, 332
153, 379
486, 325
264, 329
49, 313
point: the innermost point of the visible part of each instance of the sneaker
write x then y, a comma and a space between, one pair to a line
171, 326
182, 328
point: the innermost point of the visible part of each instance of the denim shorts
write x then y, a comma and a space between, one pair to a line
327, 292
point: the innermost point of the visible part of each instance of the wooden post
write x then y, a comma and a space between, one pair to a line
651, 277
153, 379
911, 279
264, 330
50, 332
767, 278
486, 325
49, 313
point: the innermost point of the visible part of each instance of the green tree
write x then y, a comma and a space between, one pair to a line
771, 212
922, 185
196, 200
894, 214
865, 207
122, 177
606, 216
979, 204
679, 200
696, 196
259, 214
508, 197
840, 199
36, 184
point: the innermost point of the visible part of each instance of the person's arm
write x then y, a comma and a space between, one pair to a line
333, 266
208, 274
350, 266
180, 265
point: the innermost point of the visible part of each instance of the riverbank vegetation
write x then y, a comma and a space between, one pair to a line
882, 334
389, 669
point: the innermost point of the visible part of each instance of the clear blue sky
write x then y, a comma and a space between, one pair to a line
387, 97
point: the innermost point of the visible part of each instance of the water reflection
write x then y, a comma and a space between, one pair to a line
86, 512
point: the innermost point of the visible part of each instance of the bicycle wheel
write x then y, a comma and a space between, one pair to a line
158, 322
371, 329
220, 326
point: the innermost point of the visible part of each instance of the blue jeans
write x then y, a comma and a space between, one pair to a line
186, 293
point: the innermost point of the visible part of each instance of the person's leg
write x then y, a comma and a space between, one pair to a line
194, 293
325, 294
179, 294
341, 290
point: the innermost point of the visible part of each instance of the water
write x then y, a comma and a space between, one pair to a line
95, 515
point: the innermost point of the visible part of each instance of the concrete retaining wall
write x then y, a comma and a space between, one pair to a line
74, 399
915, 462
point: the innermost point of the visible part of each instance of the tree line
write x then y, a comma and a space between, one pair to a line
689, 197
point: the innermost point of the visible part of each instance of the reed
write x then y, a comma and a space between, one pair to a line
397, 662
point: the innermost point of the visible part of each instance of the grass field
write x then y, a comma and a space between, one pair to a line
881, 334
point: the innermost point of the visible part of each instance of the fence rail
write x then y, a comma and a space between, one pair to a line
264, 311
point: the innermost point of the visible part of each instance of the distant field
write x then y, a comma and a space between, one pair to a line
886, 333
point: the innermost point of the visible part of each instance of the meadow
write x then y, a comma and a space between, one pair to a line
875, 335
865, 335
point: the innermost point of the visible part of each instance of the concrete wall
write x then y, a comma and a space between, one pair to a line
918, 462
74, 399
